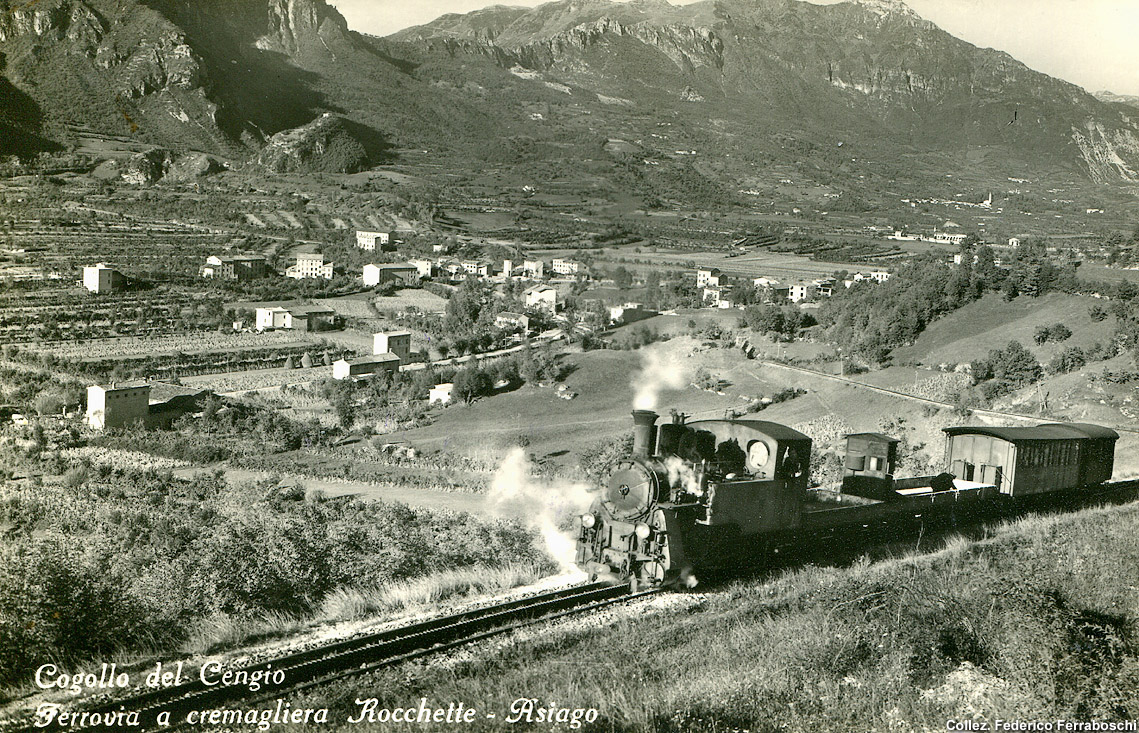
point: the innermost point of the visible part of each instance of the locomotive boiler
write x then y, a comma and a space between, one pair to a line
716, 494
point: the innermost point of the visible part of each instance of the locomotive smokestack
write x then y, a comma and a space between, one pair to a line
644, 435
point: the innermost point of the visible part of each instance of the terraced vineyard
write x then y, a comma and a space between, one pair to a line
155, 248
200, 343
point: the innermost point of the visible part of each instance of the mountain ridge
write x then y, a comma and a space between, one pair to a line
512, 84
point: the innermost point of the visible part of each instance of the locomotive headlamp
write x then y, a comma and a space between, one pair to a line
642, 531
588, 520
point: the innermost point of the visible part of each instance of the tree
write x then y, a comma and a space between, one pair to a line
1068, 360
472, 383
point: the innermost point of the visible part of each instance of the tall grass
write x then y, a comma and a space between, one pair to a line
353, 603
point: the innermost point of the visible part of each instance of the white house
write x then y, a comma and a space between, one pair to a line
368, 241
393, 342
879, 276
379, 274
425, 268
474, 267
542, 297
534, 268
117, 405
565, 267
310, 265
440, 393
507, 319
1014, 242
102, 278
363, 366
947, 238
299, 317
800, 292
707, 277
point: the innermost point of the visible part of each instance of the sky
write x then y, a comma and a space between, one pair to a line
1092, 43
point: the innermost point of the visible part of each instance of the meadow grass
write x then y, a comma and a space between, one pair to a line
354, 603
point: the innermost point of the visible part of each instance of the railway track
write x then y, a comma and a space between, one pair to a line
351, 657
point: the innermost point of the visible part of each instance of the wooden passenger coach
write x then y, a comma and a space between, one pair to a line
1022, 461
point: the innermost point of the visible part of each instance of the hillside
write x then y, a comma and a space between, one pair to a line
1022, 624
763, 84
969, 333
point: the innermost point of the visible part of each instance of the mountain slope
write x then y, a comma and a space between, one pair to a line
215, 75
870, 66
739, 85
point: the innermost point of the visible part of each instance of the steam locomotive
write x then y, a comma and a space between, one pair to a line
708, 494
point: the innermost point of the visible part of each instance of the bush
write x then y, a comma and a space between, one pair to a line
1056, 332
1068, 360
145, 560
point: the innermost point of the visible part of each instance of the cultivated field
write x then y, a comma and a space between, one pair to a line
169, 344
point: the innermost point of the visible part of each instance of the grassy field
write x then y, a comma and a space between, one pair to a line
606, 381
782, 266
1035, 622
991, 322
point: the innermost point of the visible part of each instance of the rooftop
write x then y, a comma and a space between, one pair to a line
377, 359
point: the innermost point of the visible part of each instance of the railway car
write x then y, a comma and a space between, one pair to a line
712, 494
1023, 461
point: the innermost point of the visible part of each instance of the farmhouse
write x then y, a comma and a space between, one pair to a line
368, 241
393, 342
512, 320
440, 393
103, 278
380, 274
476, 267
299, 317
800, 292
117, 405
364, 366
707, 277
542, 297
629, 313
534, 268
566, 267
712, 295
425, 268
945, 238
235, 267
310, 265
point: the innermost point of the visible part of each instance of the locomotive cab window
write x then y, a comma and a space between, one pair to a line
758, 454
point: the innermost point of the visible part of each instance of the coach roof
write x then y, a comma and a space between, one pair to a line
1046, 431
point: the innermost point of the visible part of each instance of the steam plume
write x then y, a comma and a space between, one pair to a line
544, 504
660, 369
